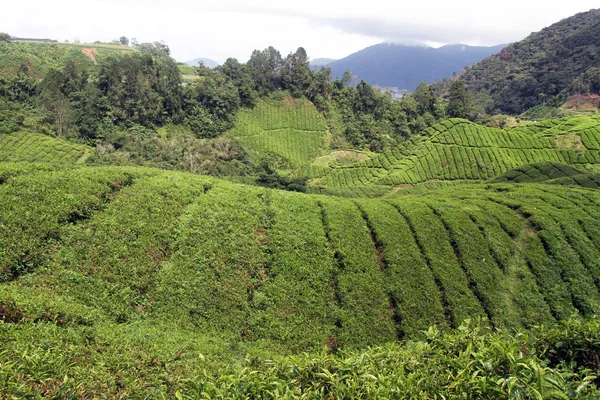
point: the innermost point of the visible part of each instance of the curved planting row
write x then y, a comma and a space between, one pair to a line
297, 272
459, 150
34, 147
292, 130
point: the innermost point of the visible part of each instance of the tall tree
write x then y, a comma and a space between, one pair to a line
459, 101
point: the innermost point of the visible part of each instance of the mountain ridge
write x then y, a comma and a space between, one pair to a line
405, 66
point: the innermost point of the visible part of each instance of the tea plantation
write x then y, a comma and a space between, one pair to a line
458, 150
27, 146
292, 132
136, 282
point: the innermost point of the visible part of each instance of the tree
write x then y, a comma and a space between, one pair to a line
4, 37
264, 68
296, 73
425, 98
347, 78
459, 101
124, 41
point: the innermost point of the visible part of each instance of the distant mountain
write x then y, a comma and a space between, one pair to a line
207, 61
547, 66
405, 66
317, 62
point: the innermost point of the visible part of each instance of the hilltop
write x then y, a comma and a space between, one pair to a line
404, 66
206, 61
547, 66
35, 58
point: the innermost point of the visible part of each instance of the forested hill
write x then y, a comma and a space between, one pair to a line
559, 60
404, 67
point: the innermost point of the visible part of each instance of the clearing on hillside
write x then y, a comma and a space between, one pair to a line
292, 132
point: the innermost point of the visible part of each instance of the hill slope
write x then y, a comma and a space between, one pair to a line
404, 67
131, 269
456, 149
291, 132
26, 146
293, 269
35, 58
558, 60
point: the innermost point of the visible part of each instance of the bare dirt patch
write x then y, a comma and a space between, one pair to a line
583, 102
90, 52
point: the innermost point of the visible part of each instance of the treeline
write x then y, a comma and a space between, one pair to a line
143, 88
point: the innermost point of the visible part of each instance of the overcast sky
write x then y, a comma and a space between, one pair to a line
219, 29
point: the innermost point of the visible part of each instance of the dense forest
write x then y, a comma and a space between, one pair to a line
546, 67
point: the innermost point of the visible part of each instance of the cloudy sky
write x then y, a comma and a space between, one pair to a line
219, 29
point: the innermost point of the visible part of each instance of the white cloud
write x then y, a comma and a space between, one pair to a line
220, 29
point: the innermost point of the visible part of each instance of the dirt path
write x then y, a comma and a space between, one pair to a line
90, 52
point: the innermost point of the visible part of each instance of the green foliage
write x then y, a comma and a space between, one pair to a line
173, 147
546, 66
459, 103
291, 132
24, 146
456, 150
151, 277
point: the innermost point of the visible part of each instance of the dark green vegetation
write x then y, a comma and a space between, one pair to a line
127, 97
456, 150
104, 263
542, 69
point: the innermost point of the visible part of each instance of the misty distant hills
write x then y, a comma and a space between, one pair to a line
207, 61
405, 66
318, 62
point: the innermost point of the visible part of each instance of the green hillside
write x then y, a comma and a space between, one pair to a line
26, 146
545, 67
35, 58
292, 132
458, 150
107, 260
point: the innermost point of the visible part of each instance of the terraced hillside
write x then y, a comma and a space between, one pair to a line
291, 132
35, 58
111, 264
456, 150
295, 269
26, 146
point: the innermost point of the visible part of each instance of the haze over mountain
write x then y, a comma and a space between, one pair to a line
207, 61
405, 66
321, 61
